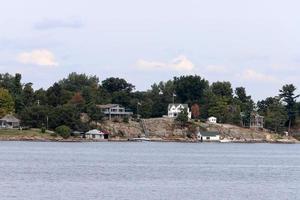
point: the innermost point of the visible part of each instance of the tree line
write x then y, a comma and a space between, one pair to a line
64, 101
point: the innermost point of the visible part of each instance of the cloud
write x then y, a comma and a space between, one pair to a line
180, 63
41, 57
252, 75
47, 24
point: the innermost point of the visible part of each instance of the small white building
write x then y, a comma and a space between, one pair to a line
96, 134
208, 136
175, 109
212, 120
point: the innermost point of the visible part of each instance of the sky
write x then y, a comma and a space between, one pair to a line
251, 43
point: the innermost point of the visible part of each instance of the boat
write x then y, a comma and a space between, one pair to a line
225, 140
141, 139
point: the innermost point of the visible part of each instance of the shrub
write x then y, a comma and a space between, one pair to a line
63, 131
43, 129
126, 119
53, 134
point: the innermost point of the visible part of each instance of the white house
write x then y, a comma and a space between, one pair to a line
208, 136
212, 120
175, 109
96, 134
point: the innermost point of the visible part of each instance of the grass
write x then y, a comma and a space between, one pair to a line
23, 133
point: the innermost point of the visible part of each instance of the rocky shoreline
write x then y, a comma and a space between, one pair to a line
80, 140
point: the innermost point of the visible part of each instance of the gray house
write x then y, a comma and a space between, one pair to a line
114, 111
9, 121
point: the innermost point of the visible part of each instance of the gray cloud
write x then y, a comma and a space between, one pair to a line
47, 24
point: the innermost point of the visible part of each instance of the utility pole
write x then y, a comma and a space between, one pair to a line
174, 95
47, 119
137, 109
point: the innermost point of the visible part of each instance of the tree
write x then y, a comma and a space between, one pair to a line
65, 115
95, 113
76, 82
6, 102
28, 94
63, 131
275, 116
195, 111
56, 95
190, 88
245, 103
117, 85
219, 109
40, 96
222, 89
288, 96
182, 117
77, 99
35, 116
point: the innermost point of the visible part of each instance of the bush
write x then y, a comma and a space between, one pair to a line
53, 134
126, 119
43, 129
63, 131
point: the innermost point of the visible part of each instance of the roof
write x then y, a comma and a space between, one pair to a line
97, 132
107, 106
212, 117
209, 133
10, 118
94, 132
178, 104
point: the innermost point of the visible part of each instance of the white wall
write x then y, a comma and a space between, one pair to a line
215, 138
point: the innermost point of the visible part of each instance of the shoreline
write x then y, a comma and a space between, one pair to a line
151, 140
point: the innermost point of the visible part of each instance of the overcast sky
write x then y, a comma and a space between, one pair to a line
252, 43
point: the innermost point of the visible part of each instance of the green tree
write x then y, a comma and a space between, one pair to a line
219, 109
63, 131
40, 96
77, 82
223, 89
6, 102
245, 104
275, 116
95, 113
56, 95
117, 85
35, 116
28, 94
287, 94
190, 89
65, 114
182, 117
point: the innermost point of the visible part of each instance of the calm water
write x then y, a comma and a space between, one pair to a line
71, 171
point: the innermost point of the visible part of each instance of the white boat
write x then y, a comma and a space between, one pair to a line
225, 140
141, 139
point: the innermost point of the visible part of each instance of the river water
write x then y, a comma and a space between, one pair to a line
148, 170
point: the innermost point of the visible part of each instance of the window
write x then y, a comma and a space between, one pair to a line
208, 138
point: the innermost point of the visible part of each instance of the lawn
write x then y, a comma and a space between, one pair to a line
23, 133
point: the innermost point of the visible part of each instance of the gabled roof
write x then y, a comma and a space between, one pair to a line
209, 133
10, 118
177, 104
94, 132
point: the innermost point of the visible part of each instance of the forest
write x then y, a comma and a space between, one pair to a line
64, 101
